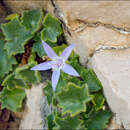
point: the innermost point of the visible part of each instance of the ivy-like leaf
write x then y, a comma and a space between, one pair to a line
48, 92
73, 99
38, 48
50, 121
28, 75
31, 19
12, 99
98, 101
52, 29
16, 36
62, 83
59, 49
6, 62
11, 82
69, 123
11, 16
93, 82
99, 120
1, 36
87, 75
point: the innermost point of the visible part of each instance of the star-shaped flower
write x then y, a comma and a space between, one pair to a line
57, 63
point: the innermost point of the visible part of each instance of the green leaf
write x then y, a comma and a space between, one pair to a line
99, 120
93, 82
28, 75
38, 48
52, 29
1, 36
73, 99
31, 19
61, 83
69, 123
59, 49
11, 16
6, 62
12, 99
16, 36
87, 75
98, 101
50, 121
48, 92
11, 82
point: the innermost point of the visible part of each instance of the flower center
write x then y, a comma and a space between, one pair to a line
58, 63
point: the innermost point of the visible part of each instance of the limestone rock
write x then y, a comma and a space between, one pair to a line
20, 5
113, 70
93, 38
32, 118
107, 12
114, 123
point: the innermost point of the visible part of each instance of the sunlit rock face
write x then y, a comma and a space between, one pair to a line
113, 69
32, 117
17, 6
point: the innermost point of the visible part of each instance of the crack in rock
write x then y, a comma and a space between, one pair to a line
84, 24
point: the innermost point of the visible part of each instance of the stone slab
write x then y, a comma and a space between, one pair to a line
116, 13
113, 70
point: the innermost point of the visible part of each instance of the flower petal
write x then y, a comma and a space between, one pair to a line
55, 78
50, 53
67, 51
70, 70
43, 66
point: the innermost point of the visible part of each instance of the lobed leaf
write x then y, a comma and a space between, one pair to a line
52, 29
6, 62
38, 48
93, 82
98, 120
73, 99
59, 49
28, 75
68, 123
50, 121
87, 75
98, 101
16, 36
31, 19
11, 82
11, 16
12, 99
48, 92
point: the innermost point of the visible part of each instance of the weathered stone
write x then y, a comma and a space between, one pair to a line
113, 70
20, 5
108, 12
114, 123
92, 38
32, 113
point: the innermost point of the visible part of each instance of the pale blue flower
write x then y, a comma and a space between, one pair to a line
57, 63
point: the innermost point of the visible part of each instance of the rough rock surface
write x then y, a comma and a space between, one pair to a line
113, 69
107, 12
93, 38
32, 113
20, 5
